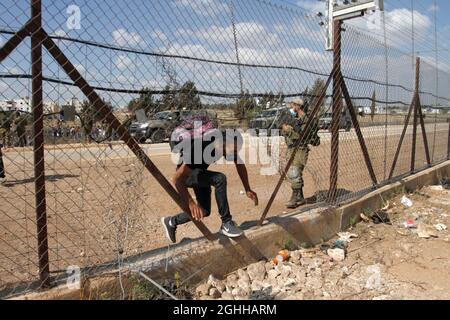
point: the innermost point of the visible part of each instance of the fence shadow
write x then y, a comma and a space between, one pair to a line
50, 178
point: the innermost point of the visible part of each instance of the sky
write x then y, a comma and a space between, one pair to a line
268, 32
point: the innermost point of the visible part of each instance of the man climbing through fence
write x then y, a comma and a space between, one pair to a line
197, 153
291, 130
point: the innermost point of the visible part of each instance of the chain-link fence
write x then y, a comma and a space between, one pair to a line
80, 191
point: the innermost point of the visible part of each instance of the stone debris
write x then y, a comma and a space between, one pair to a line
436, 188
336, 254
406, 202
426, 231
353, 265
347, 236
440, 227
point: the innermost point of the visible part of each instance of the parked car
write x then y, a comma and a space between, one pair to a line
266, 120
160, 126
344, 123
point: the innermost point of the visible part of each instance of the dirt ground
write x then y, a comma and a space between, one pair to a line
382, 262
105, 209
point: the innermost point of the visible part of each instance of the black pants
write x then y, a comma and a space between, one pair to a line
202, 181
2, 168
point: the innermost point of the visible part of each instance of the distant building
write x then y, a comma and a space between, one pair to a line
74, 102
6, 105
368, 110
22, 105
51, 107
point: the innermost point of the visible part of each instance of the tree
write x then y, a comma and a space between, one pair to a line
169, 99
188, 97
268, 100
314, 93
89, 116
145, 102
245, 104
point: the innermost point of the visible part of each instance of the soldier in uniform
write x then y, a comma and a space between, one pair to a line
291, 131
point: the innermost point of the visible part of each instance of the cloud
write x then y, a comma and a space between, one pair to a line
59, 33
398, 26
312, 5
205, 8
123, 62
433, 8
124, 38
249, 35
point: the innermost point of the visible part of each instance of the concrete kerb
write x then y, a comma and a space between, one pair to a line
195, 260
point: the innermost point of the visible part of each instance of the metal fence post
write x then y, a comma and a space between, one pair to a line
416, 113
38, 144
336, 113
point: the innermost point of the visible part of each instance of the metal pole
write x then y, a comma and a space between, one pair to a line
405, 127
448, 139
336, 113
414, 137
15, 40
424, 133
38, 144
362, 143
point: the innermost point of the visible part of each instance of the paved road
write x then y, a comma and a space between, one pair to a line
102, 152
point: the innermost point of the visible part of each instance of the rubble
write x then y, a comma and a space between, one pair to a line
426, 231
406, 202
336, 254
353, 265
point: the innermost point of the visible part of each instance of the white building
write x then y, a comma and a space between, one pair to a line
74, 102
50, 107
22, 104
6, 105
368, 110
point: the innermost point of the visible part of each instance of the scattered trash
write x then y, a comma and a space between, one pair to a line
446, 184
425, 231
340, 244
409, 224
308, 253
406, 202
403, 232
380, 216
283, 255
324, 247
241, 192
347, 236
364, 217
440, 227
437, 188
336, 254
386, 206
374, 279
